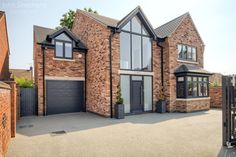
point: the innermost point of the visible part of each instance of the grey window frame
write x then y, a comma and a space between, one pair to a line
186, 83
64, 49
186, 57
142, 35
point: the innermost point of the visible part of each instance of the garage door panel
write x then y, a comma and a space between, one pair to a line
64, 96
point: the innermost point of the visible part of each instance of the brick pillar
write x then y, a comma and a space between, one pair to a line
13, 106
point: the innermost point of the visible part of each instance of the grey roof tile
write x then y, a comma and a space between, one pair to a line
168, 28
185, 68
102, 19
41, 33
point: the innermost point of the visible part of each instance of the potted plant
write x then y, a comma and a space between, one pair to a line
119, 107
161, 103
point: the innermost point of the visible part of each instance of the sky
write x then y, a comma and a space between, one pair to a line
214, 19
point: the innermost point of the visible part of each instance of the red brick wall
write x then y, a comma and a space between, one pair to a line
5, 117
184, 34
96, 37
4, 50
56, 68
216, 97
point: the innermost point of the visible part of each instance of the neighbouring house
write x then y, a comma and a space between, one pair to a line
80, 70
7, 91
4, 49
22, 73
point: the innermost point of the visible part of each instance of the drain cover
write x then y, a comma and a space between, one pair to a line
26, 126
58, 132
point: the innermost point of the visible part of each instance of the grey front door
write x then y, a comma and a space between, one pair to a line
137, 96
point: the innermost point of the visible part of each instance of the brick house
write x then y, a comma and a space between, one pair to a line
80, 70
4, 48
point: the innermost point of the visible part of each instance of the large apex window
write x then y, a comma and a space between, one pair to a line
63, 49
188, 53
192, 86
135, 47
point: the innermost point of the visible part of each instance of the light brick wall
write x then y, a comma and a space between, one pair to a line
96, 37
190, 105
185, 34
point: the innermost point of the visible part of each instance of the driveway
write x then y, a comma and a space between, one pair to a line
147, 135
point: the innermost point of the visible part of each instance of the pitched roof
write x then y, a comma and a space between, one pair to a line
41, 33
168, 28
186, 68
101, 19
22, 73
1, 13
107, 21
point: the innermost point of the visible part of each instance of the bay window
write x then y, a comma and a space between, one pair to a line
192, 86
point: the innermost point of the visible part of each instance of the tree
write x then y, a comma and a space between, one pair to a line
91, 10
67, 19
24, 83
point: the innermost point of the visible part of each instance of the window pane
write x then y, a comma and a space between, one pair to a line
189, 78
63, 36
144, 31
190, 89
125, 91
125, 50
136, 25
184, 52
205, 89
180, 79
136, 52
181, 90
189, 52
138, 78
200, 79
147, 93
68, 50
205, 79
200, 89
147, 57
194, 54
127, 27
194, 78
180, 51
194, 89
59, 49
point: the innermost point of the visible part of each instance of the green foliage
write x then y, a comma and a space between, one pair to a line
91, 10
119, 99
161, 94
214, 84
24, 83
67, 20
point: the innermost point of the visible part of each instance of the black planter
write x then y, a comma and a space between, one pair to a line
119, 111
161, 106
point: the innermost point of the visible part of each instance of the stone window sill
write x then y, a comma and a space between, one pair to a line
64, 59
192, 99
190, 62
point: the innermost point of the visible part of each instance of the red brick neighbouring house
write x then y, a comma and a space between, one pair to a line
80, 70
7, 91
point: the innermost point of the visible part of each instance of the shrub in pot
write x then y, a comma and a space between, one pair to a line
119, 106
161, 103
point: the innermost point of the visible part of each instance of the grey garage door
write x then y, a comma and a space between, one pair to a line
64, 96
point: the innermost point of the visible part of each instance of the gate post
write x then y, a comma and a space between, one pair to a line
224, 115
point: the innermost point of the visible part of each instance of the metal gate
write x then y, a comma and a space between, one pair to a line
229, 110
27, 101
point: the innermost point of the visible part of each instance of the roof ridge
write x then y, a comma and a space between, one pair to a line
43, 27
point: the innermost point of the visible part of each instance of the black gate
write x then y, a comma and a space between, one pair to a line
229, 110
27, 101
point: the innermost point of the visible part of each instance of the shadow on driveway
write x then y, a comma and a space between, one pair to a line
227, 152
39, 125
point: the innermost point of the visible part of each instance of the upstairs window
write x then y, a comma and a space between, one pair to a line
135, 47
63, 49
187, 53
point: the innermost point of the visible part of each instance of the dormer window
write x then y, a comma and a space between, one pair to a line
63, 49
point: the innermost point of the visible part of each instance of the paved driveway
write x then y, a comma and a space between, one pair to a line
87, 135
